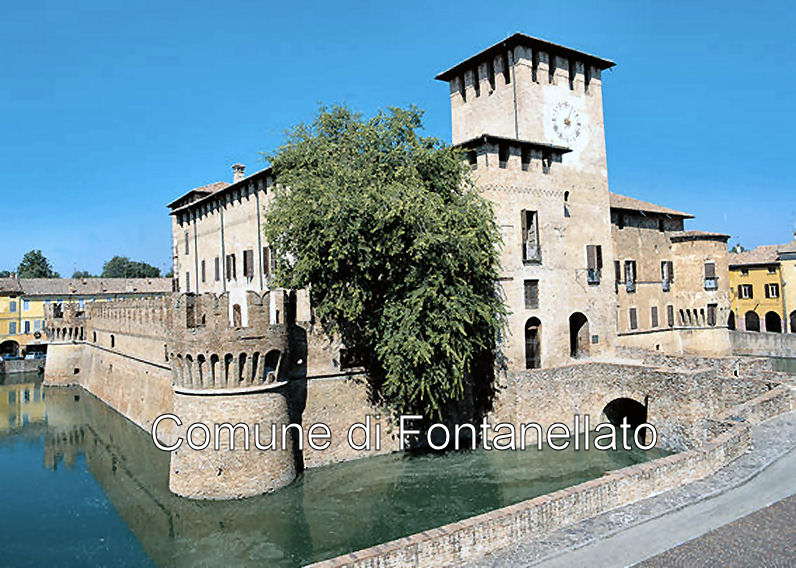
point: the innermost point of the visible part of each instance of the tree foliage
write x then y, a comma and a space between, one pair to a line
397, 249
123, 267
5, 273
35, 265
82, 274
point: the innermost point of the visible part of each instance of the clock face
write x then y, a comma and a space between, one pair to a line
566, 122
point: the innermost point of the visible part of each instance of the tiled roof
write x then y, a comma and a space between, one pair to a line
177, 207
697, 235
9, 286
787, 248
632, 204
66, 286
765, 254
200, 192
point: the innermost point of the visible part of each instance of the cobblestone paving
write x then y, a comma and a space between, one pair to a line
765, 538
771, 440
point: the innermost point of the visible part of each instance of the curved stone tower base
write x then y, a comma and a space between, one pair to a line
231, 473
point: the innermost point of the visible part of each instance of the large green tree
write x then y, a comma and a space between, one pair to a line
35, 265
397, 249
123, 267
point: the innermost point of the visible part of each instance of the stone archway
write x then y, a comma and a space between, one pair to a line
751, 321
578, 335
10, 348
533, 343
624, 408
773, 322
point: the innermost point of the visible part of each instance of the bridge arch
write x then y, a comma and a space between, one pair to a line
623, 408
9, 347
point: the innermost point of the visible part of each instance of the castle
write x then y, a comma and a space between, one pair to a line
587, 275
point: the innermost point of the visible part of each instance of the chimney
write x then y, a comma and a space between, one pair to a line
237, 172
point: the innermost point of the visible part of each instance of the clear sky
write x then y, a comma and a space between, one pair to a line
109, 110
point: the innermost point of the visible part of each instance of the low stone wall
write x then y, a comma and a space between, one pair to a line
699, 341
21, 366
138, 389
471, 538
761, 343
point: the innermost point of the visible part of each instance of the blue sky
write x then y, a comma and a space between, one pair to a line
110, 110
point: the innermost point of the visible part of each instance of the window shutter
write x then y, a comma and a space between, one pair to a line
670, 315
591, 257
671, 270
633, 319
617, 271
710, 270
654, 316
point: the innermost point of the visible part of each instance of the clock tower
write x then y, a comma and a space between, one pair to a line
528, 114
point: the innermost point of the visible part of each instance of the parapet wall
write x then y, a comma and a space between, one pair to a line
472, 538
763, 343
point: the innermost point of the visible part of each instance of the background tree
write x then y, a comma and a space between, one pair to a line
123, 267
35, 265
5, 273
82, 274
398, 251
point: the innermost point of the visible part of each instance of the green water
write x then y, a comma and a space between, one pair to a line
784, 364
84, 486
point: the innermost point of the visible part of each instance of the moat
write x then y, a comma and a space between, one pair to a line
84, 486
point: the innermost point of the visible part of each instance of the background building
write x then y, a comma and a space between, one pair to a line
23, 301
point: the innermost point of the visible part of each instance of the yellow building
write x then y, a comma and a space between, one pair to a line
786, 254
23, 301
757, 289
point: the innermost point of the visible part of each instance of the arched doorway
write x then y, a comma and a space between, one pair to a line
751, 321
731, 321
578, 335
793, 321
773, 322
533, 343
10, 348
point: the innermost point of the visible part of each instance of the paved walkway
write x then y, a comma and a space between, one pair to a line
762, 481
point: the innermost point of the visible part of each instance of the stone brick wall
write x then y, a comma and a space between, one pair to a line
763, 343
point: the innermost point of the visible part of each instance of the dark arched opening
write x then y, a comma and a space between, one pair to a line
621, 409
751, 321
533, 343
731, 320
578, 335
773, 322
270, 364
9, 348
793, 321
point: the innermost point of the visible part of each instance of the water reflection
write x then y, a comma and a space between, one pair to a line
328, 511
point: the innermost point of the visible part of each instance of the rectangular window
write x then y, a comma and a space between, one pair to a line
551, 68
204, 273
187, 281
26, 325
463, 88
772, 290
506, 69
186, 242
231, 267
661, 225
217, 268
476, 82
572, 71
248, 264
12, 306
654, 316
772, 269
267, 262
633, 318
503, 155
531, 294
712, 314
618, 271
25, 305
531, 251
745, 291
37, 324
472, 159
670, 316
594, 263
12, 328
535, 66
630, 275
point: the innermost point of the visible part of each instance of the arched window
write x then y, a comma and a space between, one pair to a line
731, 320
773, 322
533, 343
751, 321
578, 335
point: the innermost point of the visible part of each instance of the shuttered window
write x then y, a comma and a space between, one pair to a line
633, 319
248, 263
670, 316
654, 316
710, 270
531, 294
